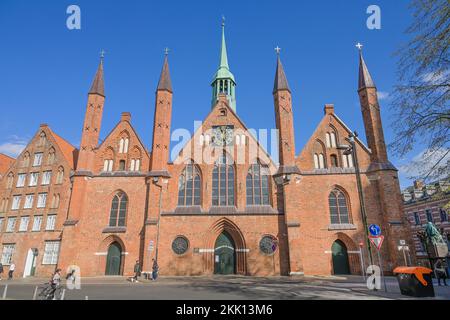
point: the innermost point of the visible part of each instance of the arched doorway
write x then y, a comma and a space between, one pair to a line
224, 255
340, 258
114, 260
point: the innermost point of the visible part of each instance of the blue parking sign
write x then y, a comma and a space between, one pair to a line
374, 230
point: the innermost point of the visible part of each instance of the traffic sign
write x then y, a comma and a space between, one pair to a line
377, 241
375, 230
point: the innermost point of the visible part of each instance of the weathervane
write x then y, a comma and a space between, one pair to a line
166, 51
223, 21
102, 54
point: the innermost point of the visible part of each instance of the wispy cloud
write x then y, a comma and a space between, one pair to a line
424, 162
14, 146
383, 95
434, 78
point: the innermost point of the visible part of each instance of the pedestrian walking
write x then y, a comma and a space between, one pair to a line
440, 271
155, 270
12, 267
1, 271
137, 271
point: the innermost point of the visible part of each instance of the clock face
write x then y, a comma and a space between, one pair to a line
222, 136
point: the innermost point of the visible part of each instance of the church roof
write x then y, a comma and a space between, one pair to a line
165, 82
98, 86
281, 82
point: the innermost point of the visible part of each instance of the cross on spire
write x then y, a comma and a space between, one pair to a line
359, 46
223, 21
166, 51
277, 50
102, 54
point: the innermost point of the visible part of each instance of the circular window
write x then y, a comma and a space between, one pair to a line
180, 245
268, 245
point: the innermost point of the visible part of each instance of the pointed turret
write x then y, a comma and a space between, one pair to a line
162, 122
365, 79
370, 109
92, 121
164, 80
223, 81
284, 120
98, 86
281, 82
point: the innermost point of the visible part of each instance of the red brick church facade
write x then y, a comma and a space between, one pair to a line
222, 206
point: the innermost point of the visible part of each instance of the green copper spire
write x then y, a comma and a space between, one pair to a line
223, 82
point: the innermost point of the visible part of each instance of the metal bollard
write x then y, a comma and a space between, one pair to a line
86, 298
5, 291
35, 292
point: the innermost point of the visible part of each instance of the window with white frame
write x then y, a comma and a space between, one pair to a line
7, 254
46, 177
29, 201
51, 222
34, 177
51, 252
108, 166
11, 226
37, 159
42, 199
21, 180
24, 221
16, 203
347, 160
37, 222
123, 145
135, 165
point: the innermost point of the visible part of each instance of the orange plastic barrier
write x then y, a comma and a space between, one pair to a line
417, 271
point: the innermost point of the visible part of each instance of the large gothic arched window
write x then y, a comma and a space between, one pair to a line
223, 182
257, 183
118, 213
339, 212
189, 186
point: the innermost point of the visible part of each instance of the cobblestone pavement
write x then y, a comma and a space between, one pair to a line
215, 288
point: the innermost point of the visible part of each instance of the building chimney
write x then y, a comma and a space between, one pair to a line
329, 109
125, 116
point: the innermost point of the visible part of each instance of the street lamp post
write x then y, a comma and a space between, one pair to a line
352, 150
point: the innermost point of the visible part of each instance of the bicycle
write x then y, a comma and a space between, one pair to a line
49, 292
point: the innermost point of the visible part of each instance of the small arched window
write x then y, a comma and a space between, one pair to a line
257, 185
223, 182
347, 159
118, 212
42, 139
328, 139
334, 161
10, 180
122, 165
333, 140
51, 156
189, 185
60, 175
339, 212
321, 161
316, 161
26, 160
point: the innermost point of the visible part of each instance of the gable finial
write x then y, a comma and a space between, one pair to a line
102, 54
223, 21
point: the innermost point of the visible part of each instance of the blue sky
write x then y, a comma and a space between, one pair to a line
47, 69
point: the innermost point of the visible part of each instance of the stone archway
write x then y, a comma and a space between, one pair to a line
341, 264
225, 226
